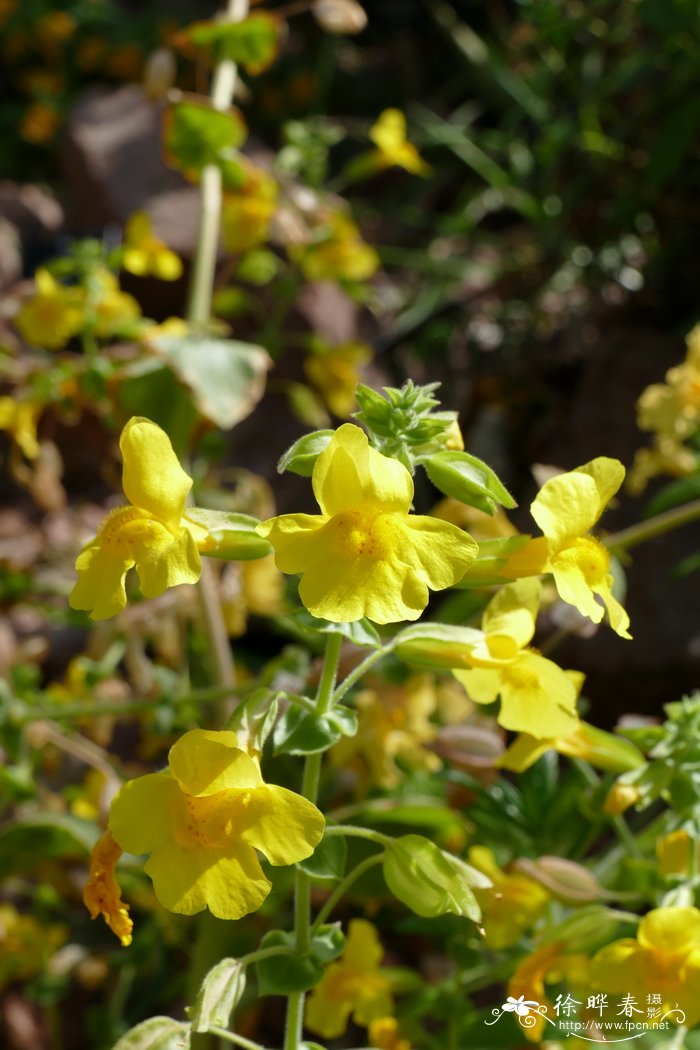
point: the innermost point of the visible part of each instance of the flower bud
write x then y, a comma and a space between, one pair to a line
223, 534
620, 797
302, 455
438, 646
570, 882
467, 479
430, 881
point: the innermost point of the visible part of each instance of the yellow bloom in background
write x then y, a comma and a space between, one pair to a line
393, 722
393, 148
566, 509
102, 895
114, 311
547, 964
19, 419
40, 122
25, 944
674, 852
149, 534
365, 555
663, 960
335, 372
601, 749
251, 588
384, 1034
354, 984
537, 696
55, 27
143, 253
340, 253
53, 315
511, 905
246, 214
202, 821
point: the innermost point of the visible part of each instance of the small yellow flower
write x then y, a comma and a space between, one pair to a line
114, 311
393, 148
246, 214
102, 895
620, 797
335, 372
143, 253
511, 905
663, 960
566, 508
202, 821
340, 254
149, 534
393, 722
601, 749
19, 419
354, 984
384, 1034
365, 555
548, 963
53, 315
55, 27
25, 944
674, 852
537, 696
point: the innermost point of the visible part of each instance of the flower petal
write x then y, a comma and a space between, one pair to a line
349, 473
153, 478
384, 591
619, 620
186, 881
572, 585
363, 950
566, 506
141, 814
295, 540
670, 930
438, 552
166, 561
205, 761
537, 697
283, 825
616, 967
100, 585
483, 686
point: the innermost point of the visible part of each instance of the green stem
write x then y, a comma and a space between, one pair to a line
619, 824
264, 953
358, 833
302, 890
59, 711
237, 1040
361, 670
656, 526
342, 888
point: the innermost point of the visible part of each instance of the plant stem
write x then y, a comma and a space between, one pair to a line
361, 669
342, 888
199, 316
302, 890
237, 1040
359, 833
59, 711
656, 526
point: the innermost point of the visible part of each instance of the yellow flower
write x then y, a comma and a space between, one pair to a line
114, 310
335, 372
511, 905
537, 697
566, 508
620, 797
102, 895
19, 419
663, 960
354, 984
384, 1034
666, 456
246, 214
601, 749
393, 722
56, 27
25, 944
365, 555
546, 964
149, 534
53, 315
202, 820
393, 149
340, 254
674, 852
144, 253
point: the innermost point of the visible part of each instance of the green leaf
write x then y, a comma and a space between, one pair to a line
300, 732
227, 378
157, 1033
196, 135
359, 632
252, 43
429, 880
302, 455
232, 535
286, 974
219, 994
150, 388
327, 862
255, 717
467, 479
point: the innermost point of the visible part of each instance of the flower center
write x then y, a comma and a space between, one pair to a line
360, 533
208, 823
592, 559
519, 677
128, 530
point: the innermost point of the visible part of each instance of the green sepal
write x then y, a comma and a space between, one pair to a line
233, 536
359, 632
468, 480
301, 457
431, 881
439, 646
157, 1033
220, 992
254, 717
286, 974
300, 732
327, 862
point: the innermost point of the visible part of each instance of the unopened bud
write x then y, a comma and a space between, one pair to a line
438, 646
621, 797
570, 882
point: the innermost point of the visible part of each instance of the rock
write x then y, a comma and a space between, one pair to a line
30, 220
